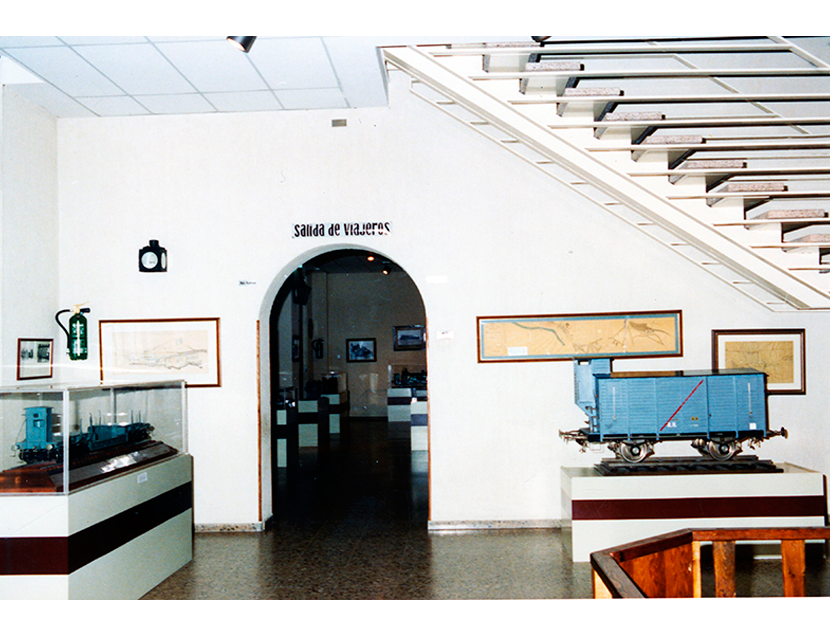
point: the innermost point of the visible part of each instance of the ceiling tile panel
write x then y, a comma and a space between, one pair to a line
65, 69
52, 100
75, 40
185, 38
311, 98
137, 68
115, 75
244, 101
175, 104
213, 66
113, 106
293, 63
28, 40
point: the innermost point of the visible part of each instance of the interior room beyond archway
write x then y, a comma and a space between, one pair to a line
347, 327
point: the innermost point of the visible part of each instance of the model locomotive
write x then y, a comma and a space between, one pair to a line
41, 443
716, 410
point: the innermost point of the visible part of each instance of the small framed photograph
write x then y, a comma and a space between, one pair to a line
780, 353
409, 338
363, 350
34, 359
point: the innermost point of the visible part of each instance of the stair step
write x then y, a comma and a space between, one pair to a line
755, 186
557, 84
713, 164
791, 214
748, 188
638, 131
674, 139
715, 171
811, 234
600, 107
676, 155
593, 92
634, 116
502, 62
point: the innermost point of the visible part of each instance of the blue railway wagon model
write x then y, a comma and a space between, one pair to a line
716, 410
41, 444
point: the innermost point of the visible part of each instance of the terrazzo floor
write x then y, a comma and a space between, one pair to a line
354, 527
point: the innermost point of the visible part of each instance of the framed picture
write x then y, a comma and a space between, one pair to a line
134, 350
34, 359
535, 338
780, 353
364, 350
409, 338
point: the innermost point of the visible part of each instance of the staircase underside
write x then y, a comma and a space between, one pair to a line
717, 148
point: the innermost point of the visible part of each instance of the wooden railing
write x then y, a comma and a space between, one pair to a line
668, 566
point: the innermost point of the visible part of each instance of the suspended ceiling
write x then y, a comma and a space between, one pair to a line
105, 76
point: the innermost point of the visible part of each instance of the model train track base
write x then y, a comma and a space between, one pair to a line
686, 465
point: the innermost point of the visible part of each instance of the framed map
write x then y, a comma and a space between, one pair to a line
535, 338
780, 353
135, 350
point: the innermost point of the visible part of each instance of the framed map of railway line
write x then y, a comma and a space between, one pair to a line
780, 353
536, 338
158, 349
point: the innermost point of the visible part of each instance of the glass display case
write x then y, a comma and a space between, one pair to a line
55, 439
407, 376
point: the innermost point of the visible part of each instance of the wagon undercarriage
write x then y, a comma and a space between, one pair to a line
631, 449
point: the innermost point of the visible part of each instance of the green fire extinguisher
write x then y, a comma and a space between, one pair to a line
76, 334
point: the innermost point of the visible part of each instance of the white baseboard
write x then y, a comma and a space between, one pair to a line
477, 525
230, 527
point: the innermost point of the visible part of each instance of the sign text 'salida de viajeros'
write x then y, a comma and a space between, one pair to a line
307, 230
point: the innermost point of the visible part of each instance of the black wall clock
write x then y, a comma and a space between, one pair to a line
152, 257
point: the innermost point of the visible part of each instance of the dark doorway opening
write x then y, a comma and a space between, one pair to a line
342, 451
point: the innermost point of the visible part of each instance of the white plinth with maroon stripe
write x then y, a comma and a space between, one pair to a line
599, 512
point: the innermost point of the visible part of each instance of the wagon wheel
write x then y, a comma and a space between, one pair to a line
634, 452
723, 449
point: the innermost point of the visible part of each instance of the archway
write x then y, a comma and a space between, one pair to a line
347, 325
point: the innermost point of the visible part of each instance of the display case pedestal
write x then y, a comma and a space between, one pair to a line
599, 512
115, 539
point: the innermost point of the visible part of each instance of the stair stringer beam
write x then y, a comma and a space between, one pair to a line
687, 229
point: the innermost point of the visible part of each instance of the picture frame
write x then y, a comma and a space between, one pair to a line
159, 349
409, 338
361, 350
34, 358
558, 337
780, 353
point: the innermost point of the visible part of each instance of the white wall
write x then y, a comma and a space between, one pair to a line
28, 227
479, 232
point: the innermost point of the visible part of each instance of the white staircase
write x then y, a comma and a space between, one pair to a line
718, 148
